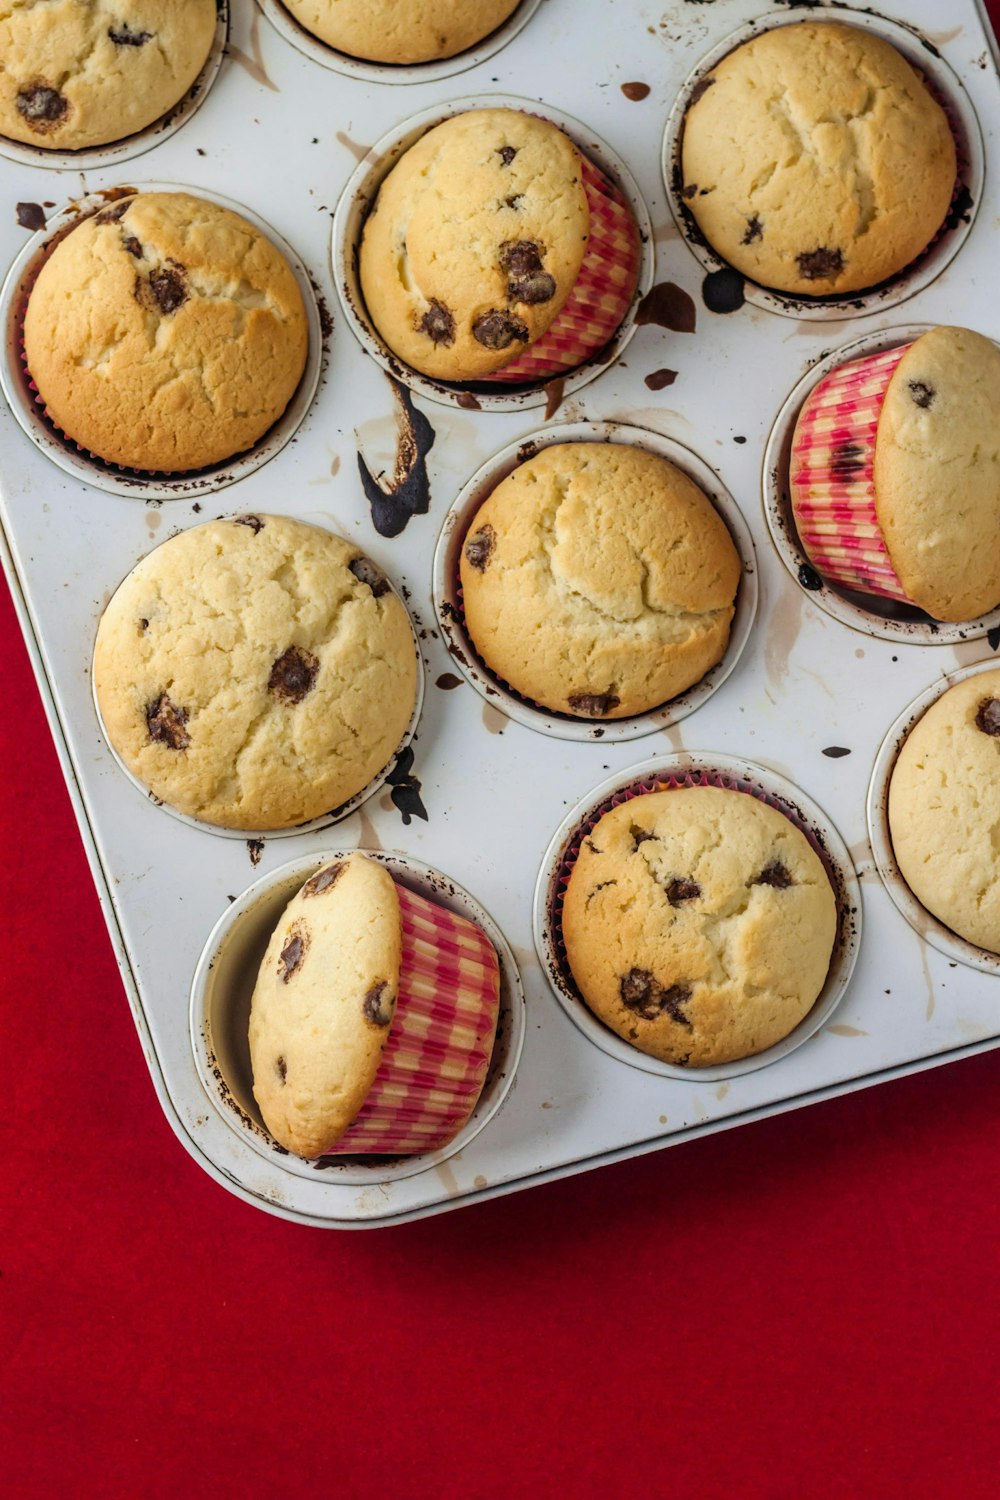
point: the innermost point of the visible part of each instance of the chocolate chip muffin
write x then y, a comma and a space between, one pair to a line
386, 31
79, 73
255, 673
699, 924
815, 159
165, 333
598, 580
944, 809
474, 242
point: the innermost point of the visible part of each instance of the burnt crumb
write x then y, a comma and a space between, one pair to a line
294, 951
679, 891
775, 875
114, 213
405, 788
163, 290
41, 106
255, 848
480, 548
498, 330
438, 323
754, 231
647, 997
375, 1011
165, 722
365, 571
528, 281
124, 36
988, 716
323, 880
691, 191
133, 247
506, 154
293, 675
30, 215
809, 578
254, 522
818, 265
847, 459
602, 885
640, 835
281, 1069
700, 89
921, 393
594, 705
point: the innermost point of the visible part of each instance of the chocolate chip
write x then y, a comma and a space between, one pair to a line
754, 231
365, 571
701, 87
113, 214
293, 675
480, 548
132, 246
514, 202
41, 106
254, 522
775, 875
532, 290
602, 885
817, 265
691, 191
847, 459
375, 1011
498, 330
294, 951
527, 280
507, 154
438, 323
281, 1068
921, 393
988, 717
647, 997
165, 722
124, 36
594, 705
682, 890
162, 290
640, 835
323, 880
143, 626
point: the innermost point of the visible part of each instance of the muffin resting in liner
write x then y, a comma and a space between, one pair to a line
386, 31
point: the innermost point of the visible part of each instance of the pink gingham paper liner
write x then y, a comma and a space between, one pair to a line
601, 293
833, 477
438, 1053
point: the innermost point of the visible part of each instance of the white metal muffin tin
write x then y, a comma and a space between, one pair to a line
282, 134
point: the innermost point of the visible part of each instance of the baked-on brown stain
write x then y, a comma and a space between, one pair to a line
660, 379
30, 215
636, 91
668, 306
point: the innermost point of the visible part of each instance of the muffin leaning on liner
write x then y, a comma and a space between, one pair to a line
895, 474
79, 73
598, 580
255, 673
815, 159
165, 333
373, 1017
496, 251
388, 32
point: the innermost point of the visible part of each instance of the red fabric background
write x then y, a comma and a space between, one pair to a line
804, 1307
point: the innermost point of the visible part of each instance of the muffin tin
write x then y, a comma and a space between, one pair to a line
482, 796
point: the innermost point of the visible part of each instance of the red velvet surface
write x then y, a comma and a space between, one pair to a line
805, 1307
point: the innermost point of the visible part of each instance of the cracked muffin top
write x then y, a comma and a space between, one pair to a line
165, 333
699, 924
944, 809
598, 580
474, 242
255, 673
82, 73
815, 159
389, 32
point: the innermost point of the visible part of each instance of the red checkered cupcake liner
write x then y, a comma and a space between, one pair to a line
441, 1040
832, 476
601, 293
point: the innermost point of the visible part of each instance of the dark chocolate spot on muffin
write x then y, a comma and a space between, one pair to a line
691, 191
921, 393
498, 330
602, 885
776, 875
165, 722
375, 1011
281, 1068
143, 626
594, 705
679, 891
114, 213
294, 951
988, 717
365, 571
124, 36
254, 522
438, 323
520, 257
515, 201
293, 675
41, 107
532, 290
754, 231
819, 265
847, 458
132, 246
323, 880
701, 87
640, 835
642, 993
163, 290
506, 154
480, 548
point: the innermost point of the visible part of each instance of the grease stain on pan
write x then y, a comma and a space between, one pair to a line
408, 492
358, 151
367, 837
494, 720
786, 627
253, 63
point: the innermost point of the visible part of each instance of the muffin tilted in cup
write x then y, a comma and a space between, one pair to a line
496, 251
255, 673
165, 333
387, 32
895, 475
598, 580
373, 1017
815, 159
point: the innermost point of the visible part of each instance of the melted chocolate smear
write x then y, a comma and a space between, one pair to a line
820, 265
143, 626
133, 246
775, 875
660, 379
668, 306
960, 209
754, 231
438, 323
365, 571
594, 705
447, 682
532, 290
847, 459
468, 402
679, 891
700, 89
988, 717
409, 492
294, 951
281, 1069
255, 848
162, 290
405, 791
293, 675
722, 290
809, 578
254, 522
636, 91
31, 215
921, 393
41, 107
689, 192
112, 215
836, 752
498, 330
506, 154
165, 722
124, 36
553, 396
639, 835
375, 1011
647, 997
324, 880
480, 548
993, 637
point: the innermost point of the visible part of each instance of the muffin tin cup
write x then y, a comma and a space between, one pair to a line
884, 618
447, 593
335, 815
950, 94
929, 927
71, 456
93, 158
223, 985
375, 72
348, 224
696, 768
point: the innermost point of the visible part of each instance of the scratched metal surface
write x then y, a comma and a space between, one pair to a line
282, 135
